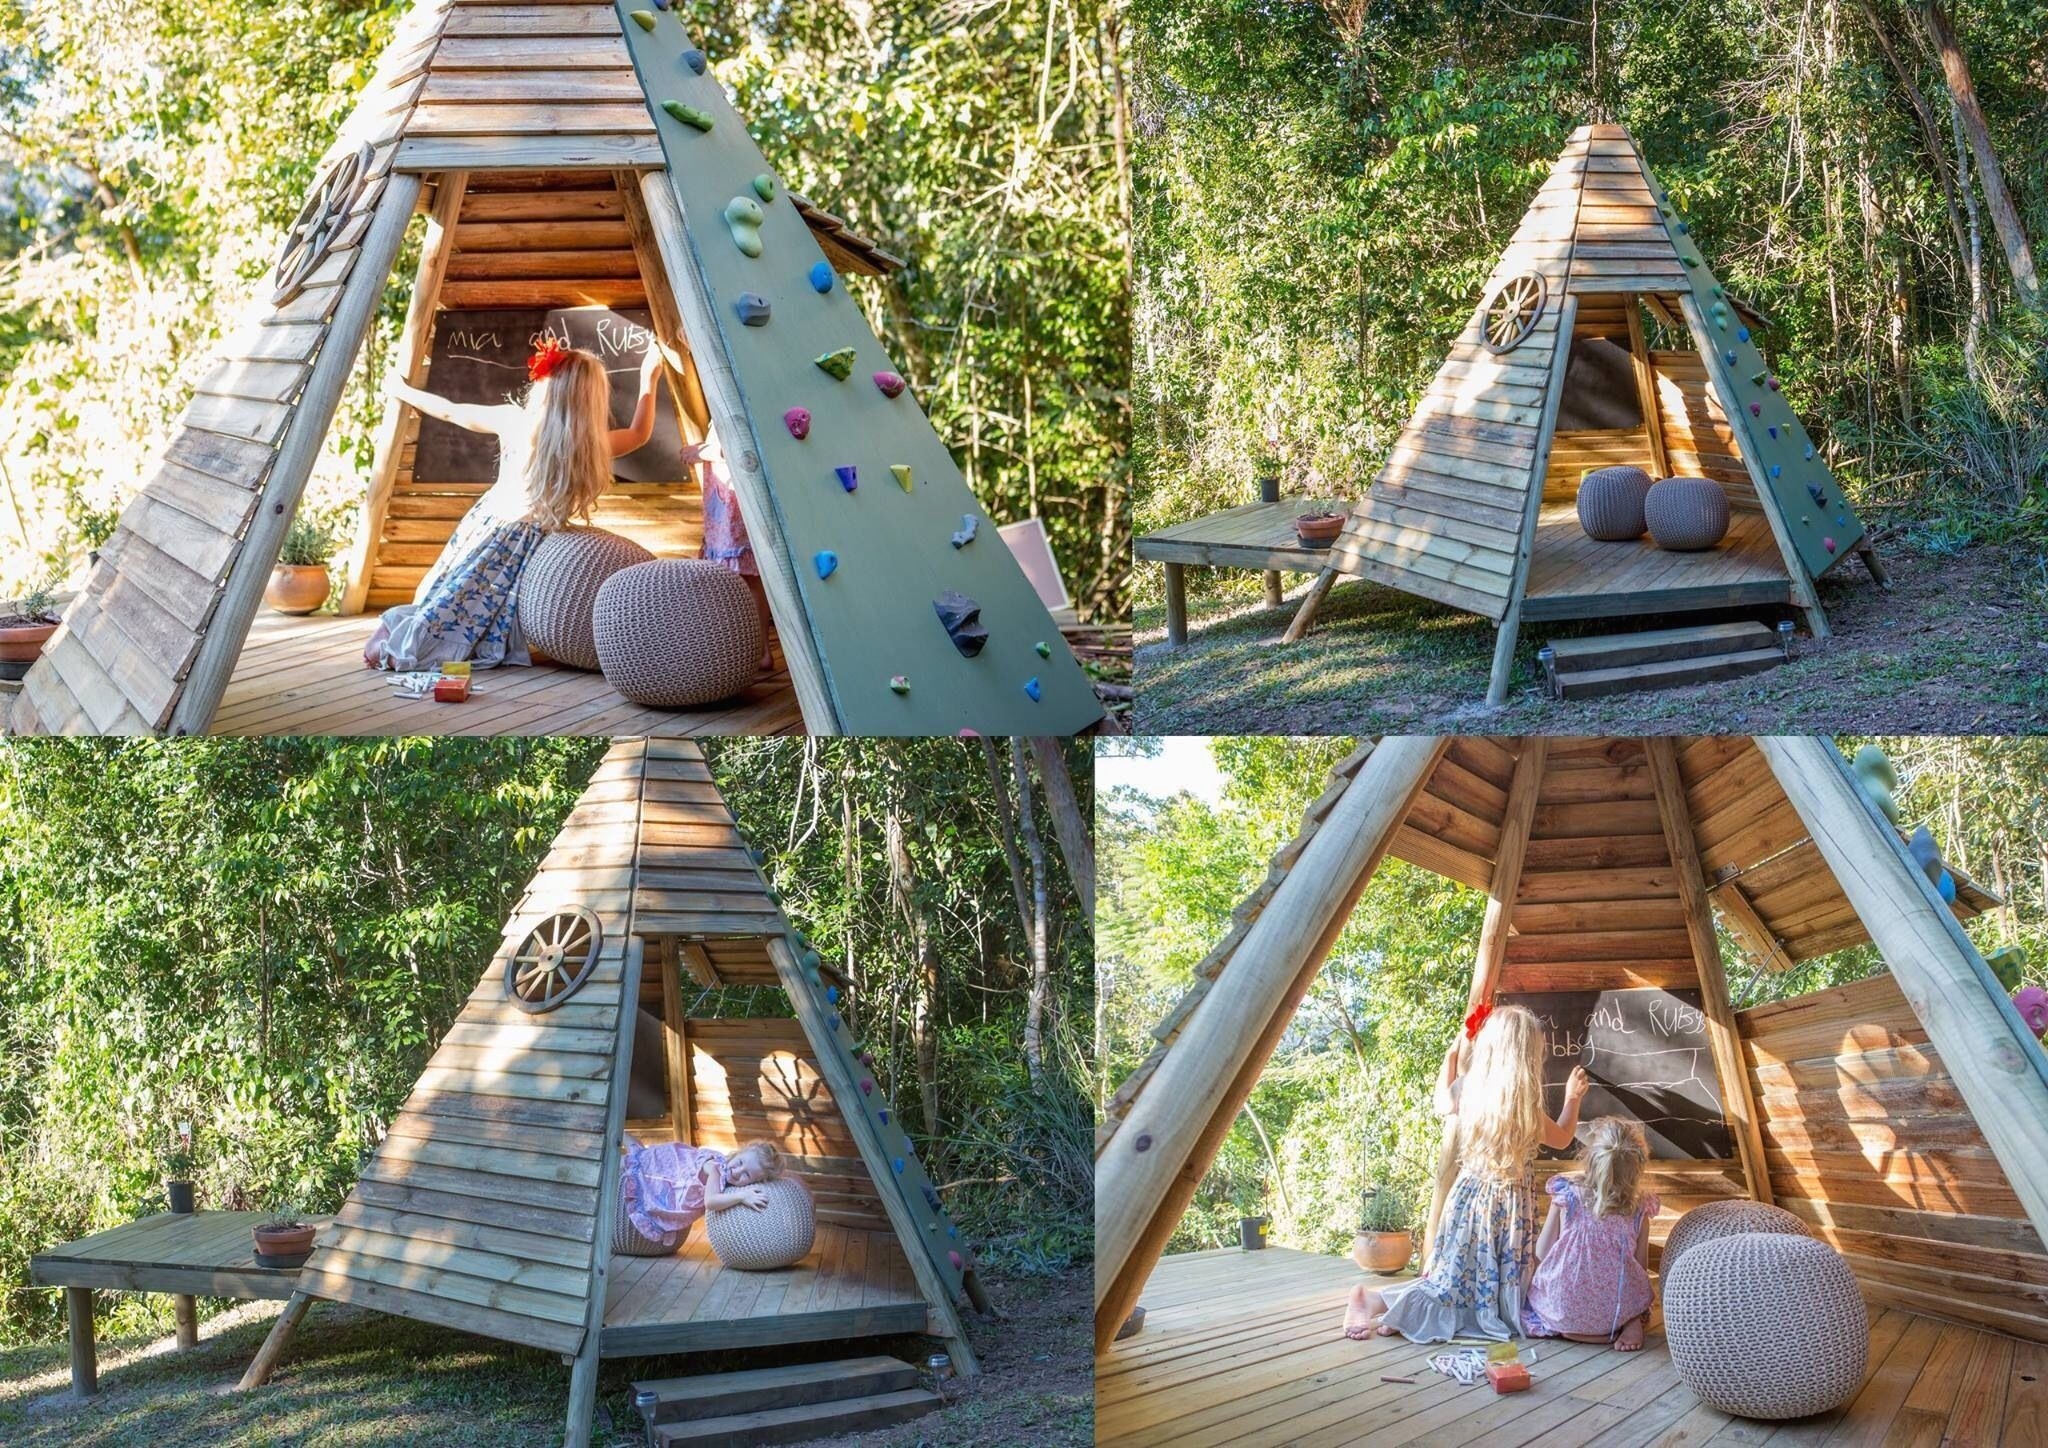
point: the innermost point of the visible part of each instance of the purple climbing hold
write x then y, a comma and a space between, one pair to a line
848, 475
961, 618
1031, 687
867, 1058
1756, 409
1774, 384
890, 383
867, 1085
1828, 543
798, 421
954, 1258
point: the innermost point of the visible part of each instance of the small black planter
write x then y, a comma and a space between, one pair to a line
180, 1194
1251, 1232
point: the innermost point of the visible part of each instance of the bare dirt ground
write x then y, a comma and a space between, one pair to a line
1957, 645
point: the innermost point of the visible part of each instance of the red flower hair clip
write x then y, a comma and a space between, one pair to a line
549, 355
1477, 1019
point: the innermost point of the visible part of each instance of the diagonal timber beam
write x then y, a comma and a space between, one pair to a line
1994, 1060
1749, 928
1149, 1172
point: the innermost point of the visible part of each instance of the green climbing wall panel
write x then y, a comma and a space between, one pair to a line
884, 550
1823, 527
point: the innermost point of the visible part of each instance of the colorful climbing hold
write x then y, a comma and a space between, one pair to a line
1743, 335
764, 186
931, 1195
1843, 519
1809, 452
835, 1021
899, 683
743, 218
965, 533
644, 19
883, 1116
688, 115
827, 561
897, 1163
1042, 649
1776, 471
954, 1258
867, 1085
1690, 260
694, 59
811, 961
960, 616
1730, 356
867, 1058
890, 384
1756, 379
1774, 432
953, 1232
832, 994
1828, 543
1947, 886
901, 473
1683, 228
798, 421
1756, 409
752, 309
1774, 384
837, 364
848, 475
821, 276
1033, 689
1818, 496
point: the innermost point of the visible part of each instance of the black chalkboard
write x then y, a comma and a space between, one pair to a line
1649, 1057
481, 357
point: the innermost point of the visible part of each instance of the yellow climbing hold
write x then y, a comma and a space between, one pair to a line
901, 473
644, 19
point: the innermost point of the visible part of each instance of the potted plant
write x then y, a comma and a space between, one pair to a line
1318, 529
178, 1166
1385, 1239
283, 1241
1267, 468
299, 584
25, 626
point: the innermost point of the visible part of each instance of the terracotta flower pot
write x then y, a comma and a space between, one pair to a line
1318, 530
297, 588
1382, 1251
20, 645
283, 1245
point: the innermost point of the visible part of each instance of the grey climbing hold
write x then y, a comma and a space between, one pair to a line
753, 309
965, 535
961, 618
694, 59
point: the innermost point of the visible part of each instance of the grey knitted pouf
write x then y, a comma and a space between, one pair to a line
1611, 503
1686, 515
1711, 1220
629, 1241
559, 585
1763, 1325
777, 1235
676, 633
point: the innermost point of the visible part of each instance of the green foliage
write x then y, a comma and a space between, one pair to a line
309, 542
37, 603
1387, 1209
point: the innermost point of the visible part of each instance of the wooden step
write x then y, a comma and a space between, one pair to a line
721, 1395
1614, 651
1667, 673
799, 1423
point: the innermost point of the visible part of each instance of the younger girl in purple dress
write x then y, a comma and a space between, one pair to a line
1592, 1281
670, 1185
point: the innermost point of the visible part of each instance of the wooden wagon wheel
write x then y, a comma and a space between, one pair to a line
319, 222
554, 960
1514, 311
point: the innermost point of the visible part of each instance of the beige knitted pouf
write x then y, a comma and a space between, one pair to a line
1710, 1220
1764, 1325
761, 1240
1686, 515
559, 585
1611, 503
674, 633
629, 1241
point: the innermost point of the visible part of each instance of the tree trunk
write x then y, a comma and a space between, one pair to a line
2005, 217
1041, 970
924, 1012
1930, 130
1007, 838
1077, 848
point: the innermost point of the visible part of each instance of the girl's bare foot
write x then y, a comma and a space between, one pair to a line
1362, 1316
1630, 1338
1387, 1331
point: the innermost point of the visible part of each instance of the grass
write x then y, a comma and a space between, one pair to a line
353, 1378
1955, 646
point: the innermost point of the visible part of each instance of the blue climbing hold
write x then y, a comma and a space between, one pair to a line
1776, 471
848, 475
1774, 432
832, 994
1809, 452
1813, 490
827, 561
883, 1116
1843, 519
835, 1020
821, 277
1742, 334
693, 57
953, 1232
931, 1196
1947, 886
1683, 228
1031, 687
1730, 355
897, 1162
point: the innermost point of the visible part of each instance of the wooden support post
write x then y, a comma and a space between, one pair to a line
1176, 604
1737, 1100
1504, 639
1305, 616
1987, 1049
682, 1110
85, 1362
1869, 556
583, 1372
1532, 507
266, 1359
1748, 927
1646, 386
186, 1310
411, 364
742, 455
1275, 594
687, 391
1804, 596
1149, 1171
304, 437
1516, 819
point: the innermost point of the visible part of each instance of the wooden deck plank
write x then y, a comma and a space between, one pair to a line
210, 1253
1573, 576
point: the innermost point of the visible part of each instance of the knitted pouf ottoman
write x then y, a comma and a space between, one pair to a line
673, 633
1611, 503
1710, 1220
1764, 1325
761, 1240
1686, 515
559, 585
629, 1241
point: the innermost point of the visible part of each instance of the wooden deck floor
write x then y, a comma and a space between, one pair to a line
1245, 1348
306, 676
1257, 535
207, 1253
854, 1284
1573, 576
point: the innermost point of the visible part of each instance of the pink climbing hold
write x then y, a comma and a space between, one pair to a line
954, 1258
968, 734
1828, 543
1756, 409
798, 421
867, 1085
892, 384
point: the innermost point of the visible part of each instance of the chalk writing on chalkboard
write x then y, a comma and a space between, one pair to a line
1649, 1057
480, 356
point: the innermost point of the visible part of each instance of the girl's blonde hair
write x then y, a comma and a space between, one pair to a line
568, 441
1613, 1150
1500, 1098
770, 1157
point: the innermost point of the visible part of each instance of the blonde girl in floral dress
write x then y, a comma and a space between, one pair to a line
1484, 1253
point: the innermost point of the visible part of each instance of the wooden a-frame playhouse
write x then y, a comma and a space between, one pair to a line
1905, 1117
1553, 375
567, 154
489, 1204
